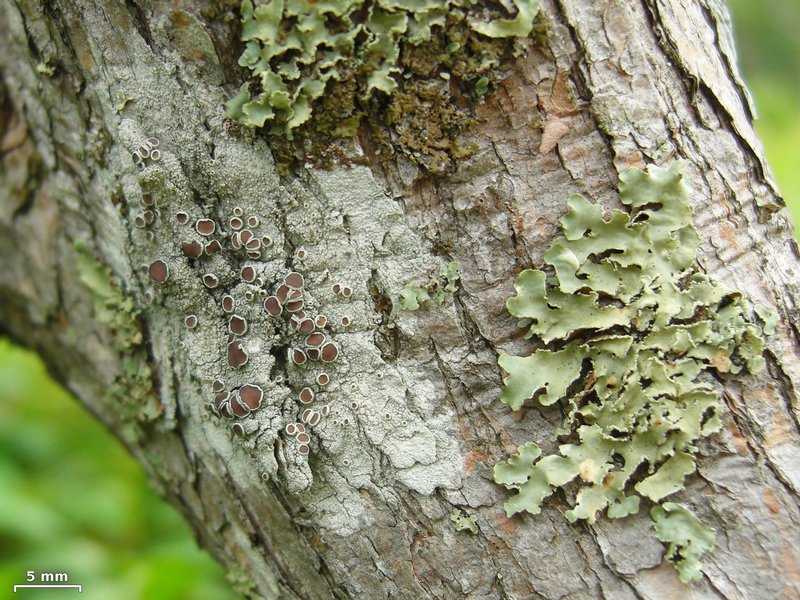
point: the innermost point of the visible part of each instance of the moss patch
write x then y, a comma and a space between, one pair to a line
405, 73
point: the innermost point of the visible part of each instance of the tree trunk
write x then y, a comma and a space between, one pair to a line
415, 425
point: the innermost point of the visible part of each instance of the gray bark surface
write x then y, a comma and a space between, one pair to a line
366, 515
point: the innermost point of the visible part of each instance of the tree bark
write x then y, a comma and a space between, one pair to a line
415, 425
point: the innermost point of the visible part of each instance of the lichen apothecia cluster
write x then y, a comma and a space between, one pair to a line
407, 70
629, 333
229, 273
304, 337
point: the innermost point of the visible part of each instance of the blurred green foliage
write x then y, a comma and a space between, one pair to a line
73, 501
769, 56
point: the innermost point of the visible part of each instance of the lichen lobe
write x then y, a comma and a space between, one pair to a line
131, 390
625, 317
406, 72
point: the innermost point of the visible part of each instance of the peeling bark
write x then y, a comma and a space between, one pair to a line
616, 84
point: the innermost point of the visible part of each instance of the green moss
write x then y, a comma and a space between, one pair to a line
407, 72
219, 10
426, 123
629, 332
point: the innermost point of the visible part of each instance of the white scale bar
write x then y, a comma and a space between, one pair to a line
80, 588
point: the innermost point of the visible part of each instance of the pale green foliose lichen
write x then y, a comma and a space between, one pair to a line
240, 581
463, 521
687, 536
412, 296
45, 68
111, 306
132, 389
630, 331
294, 47
438, 289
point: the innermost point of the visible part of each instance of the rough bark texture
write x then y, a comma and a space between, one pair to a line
616, 84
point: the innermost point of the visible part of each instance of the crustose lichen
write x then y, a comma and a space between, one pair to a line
631, 331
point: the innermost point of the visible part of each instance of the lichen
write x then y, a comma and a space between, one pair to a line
263, 297
463, 521
630, 332
240, 581
319, 70
45, 68
687, 536
438, 288
131, 392
412, 296
110, 304
295, 48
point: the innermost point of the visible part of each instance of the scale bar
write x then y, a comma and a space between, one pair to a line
80, 588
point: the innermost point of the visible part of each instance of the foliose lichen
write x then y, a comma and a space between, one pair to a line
295, 47
318, 68
132, 390
240, 581
110, 304
630, 332
438, 288
687, 536
463, 521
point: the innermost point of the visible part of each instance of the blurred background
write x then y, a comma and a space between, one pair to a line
72, 500
769, 60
